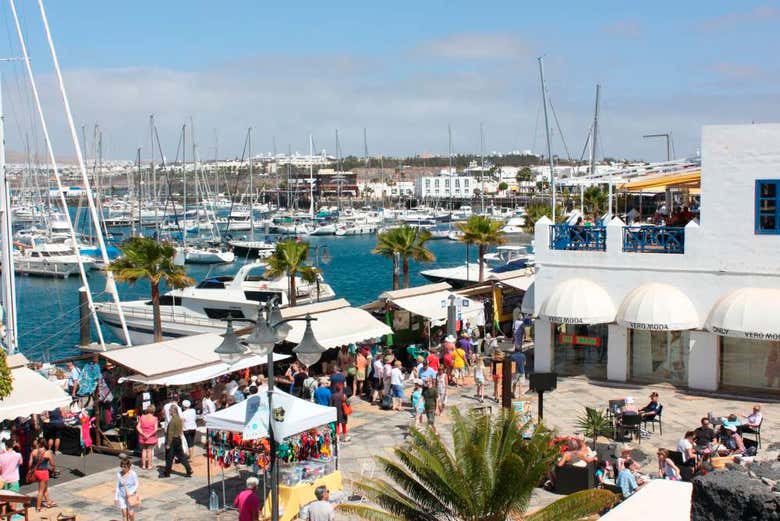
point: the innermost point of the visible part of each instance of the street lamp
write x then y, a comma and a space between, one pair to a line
506, 374
270, 328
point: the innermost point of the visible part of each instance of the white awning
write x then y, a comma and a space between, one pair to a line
752, 313
578, 301
337, 324
180, 361
674, 495
527, 306
657, 307
522, 282
299, 415
433, 306
32, 393
202, 374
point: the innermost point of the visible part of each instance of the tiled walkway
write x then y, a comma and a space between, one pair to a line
376, 432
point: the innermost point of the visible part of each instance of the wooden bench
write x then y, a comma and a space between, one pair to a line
13, 503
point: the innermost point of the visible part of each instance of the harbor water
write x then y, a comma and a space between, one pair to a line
48, 308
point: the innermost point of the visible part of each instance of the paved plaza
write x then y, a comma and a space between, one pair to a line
376, 432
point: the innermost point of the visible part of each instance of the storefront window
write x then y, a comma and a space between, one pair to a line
659, 356
581, 350
749, 363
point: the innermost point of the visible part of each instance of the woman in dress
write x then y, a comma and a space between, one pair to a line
147, 436
337, 399
41, 461
125, 496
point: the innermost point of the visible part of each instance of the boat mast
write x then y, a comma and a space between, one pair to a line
547, 133
134, 198
184, 182
153, 192
251, 190
6, 237
593, 144
482, 165
449, 162
311, 176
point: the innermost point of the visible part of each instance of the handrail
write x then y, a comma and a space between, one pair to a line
583, 238
654, 239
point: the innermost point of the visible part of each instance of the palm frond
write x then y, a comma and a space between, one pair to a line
576, 506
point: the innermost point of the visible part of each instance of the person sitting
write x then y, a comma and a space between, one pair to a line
629, 407
626, 480
603, 474
685, 447
650, 410
577, 454
666, 467
731, 420
733, 444
704, 436
753, 421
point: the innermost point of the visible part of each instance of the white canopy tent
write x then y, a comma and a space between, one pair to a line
31, 394
658, 307
518, 279
299, 415
337, 323
578, 301
180, 361
527, 306
747, 313
431, 302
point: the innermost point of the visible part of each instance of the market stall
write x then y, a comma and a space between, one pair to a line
32, 393
306, 449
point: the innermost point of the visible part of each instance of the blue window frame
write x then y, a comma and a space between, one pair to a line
768, 206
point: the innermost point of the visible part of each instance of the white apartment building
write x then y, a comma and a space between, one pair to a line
445, 187
697, 306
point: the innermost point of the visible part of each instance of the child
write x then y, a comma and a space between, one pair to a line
479, 378
441, 389
418, 404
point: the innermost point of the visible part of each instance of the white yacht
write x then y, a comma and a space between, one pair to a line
208, 255
203, 308
49, 260
260, 249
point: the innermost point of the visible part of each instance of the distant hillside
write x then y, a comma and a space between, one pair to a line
12, 156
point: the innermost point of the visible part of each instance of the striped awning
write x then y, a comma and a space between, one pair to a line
659, 183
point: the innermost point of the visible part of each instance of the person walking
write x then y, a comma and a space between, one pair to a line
338, 399
173, 445
479, 378
10, 461
397, 385
247, 502
41, 462
147, 436
189, 425
126, 494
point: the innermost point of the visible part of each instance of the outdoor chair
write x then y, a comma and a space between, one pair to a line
630, 423
572, 478
756, 431
655, 419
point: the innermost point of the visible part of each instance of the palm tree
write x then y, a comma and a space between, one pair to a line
483, 232
595, 200
288, 259
486, 473
408, 243
146, 258
593, 423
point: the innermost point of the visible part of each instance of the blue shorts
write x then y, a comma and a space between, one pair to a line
397, 391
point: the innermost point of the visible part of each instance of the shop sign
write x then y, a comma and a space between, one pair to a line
255, 419
754, 335
649, 327
566, 320
579, 340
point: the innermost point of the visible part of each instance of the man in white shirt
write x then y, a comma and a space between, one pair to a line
378, 378
754, 420
207, 405
172, 402
397, 385
74, 374
189, 425
321, 510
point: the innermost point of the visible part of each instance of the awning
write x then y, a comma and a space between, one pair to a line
337, 323
747, 313
299, 415
521, 282
657, 307
433, 306
674, 495
659, 183
180, 361
32, 393
578, 301
527, 306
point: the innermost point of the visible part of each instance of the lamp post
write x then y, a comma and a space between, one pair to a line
270, 329
506, 374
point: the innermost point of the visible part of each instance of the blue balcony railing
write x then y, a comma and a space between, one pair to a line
653, 239
583, 238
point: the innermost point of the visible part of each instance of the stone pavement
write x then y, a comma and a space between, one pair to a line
376, 432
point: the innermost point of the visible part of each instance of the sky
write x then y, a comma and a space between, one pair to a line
402, 70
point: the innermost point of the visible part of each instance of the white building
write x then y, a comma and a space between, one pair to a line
445, 187
697, 306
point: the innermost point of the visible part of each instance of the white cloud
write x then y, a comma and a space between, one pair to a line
475, 46
729, 21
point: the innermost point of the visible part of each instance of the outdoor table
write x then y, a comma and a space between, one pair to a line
292, 498
8, 499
